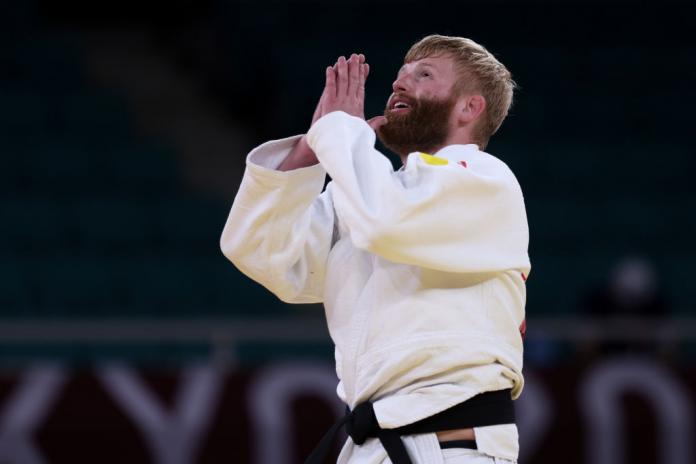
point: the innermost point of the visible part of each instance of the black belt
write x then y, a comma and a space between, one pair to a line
490, 408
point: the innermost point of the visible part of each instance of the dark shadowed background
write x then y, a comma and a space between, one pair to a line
126, 336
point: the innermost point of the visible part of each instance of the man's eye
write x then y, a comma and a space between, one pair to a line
425, 74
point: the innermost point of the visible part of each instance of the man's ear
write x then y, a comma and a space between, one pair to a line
470, 108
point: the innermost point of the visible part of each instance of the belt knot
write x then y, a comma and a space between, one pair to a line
362, 423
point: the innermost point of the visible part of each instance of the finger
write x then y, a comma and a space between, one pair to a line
376, 122
367, 70
353, 75
361, 84
342, 77
361, 58
330, 87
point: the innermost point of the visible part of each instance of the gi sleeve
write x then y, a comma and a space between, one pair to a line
280, 226
440, 216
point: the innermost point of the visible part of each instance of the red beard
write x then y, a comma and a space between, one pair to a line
424, 127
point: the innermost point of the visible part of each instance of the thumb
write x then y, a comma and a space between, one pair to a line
376, 122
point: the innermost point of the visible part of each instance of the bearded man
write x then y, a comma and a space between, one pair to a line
421, 271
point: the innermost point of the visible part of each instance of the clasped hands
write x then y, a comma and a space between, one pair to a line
344, 90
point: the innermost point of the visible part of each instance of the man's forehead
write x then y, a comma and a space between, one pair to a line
440, 62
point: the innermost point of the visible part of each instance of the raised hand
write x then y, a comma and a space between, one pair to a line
345, 87
344, 91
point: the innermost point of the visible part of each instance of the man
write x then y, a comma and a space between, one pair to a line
421, 271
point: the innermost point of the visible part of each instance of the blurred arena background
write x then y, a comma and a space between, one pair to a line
126, 337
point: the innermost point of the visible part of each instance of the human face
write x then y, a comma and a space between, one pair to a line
419, 112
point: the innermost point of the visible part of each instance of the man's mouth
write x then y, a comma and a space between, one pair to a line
399, 104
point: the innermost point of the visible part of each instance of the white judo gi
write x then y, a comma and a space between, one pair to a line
421, 271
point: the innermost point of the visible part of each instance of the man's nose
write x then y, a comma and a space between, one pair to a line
401, 84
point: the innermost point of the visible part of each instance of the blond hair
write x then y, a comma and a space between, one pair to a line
479, 71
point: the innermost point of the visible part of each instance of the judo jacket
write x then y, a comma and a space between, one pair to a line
421, 271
